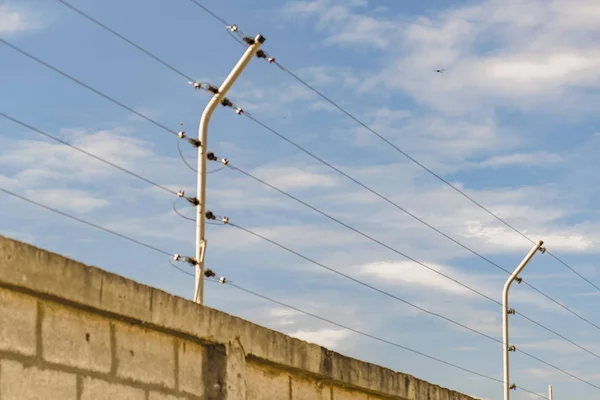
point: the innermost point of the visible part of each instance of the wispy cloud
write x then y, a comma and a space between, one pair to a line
294, 178
560, 347
42, 161
558, 56
413, 274
329, 338
16, 18
70, 200
350, 28
537, 159
493, 125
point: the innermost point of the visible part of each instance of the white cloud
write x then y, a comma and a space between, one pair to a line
290, 178
544, 374
69, 200
536, 159
283, 316
329, 338
565, 239
17, 19
283, 100
446, 143
432, 288
48, 162
545, 69
560, 347
413, 274
557, 56
481, 47
535, 210
352, 28
7, 182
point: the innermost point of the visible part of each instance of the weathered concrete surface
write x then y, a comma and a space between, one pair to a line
72, 331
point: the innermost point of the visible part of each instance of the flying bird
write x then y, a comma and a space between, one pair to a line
439, 71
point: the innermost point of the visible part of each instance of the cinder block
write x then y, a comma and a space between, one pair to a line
94, 389
17, 322
192, 357
145, 355
304, 389
264, 383
345, 394
31, 383
161, 396
75, 338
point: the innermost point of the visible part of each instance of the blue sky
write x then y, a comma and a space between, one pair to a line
513, 122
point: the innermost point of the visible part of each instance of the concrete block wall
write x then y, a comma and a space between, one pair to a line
73, 332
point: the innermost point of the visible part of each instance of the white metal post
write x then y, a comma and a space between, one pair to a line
506, 311
202, 151
549, 392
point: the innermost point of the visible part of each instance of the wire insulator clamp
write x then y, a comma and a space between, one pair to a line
193, 201
209, 273
194, 142
191, 261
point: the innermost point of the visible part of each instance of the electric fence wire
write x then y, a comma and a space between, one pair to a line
171, 131
87, 153
79, 82
408, 156
143, 116
95, 21
6, 191
187, 164
367, 335
454, 322
327, 164
379, 195
264, 238
397, 345
251, 176
285, 248
479, 255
